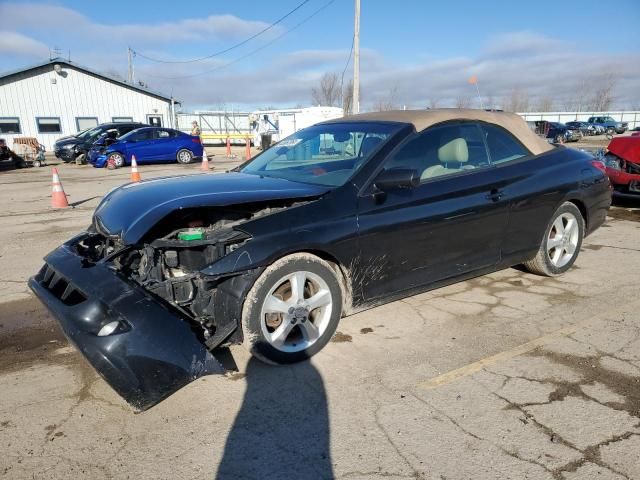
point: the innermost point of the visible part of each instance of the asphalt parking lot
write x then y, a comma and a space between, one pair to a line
509, 376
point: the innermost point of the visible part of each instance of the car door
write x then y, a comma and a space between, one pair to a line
450, 224
523, 178
164, 145
141, 145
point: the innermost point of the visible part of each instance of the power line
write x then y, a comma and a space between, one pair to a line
233, 47
353, 39
253, 52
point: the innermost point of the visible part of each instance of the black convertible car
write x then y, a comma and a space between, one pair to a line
339, 217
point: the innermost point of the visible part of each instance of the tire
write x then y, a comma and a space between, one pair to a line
281, 326
552, 260
118, 159
558, 139
37, 164
184, 156
81, 159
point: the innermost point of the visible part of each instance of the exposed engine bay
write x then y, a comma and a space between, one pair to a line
169, 259
617, 163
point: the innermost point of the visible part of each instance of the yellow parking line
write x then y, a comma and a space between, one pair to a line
474, 367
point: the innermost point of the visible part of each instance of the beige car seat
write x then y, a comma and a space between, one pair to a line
452, 156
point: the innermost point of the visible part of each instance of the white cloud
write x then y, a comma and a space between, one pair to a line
54, 17
16, 44
531, 62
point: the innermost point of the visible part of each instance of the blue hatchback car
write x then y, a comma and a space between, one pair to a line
149, 145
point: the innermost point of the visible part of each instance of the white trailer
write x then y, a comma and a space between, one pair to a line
285, 122
217, 125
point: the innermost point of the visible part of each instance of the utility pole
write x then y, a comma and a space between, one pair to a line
130, 74
356, 60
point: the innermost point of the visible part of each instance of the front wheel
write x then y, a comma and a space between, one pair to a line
292, 310
561, 242
117, 159
184, 156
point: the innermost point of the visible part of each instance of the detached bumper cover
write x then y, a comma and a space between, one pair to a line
152, 353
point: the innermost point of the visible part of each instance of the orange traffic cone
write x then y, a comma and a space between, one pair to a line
204, 166
247, 152
228, 147
58, 197
135, 175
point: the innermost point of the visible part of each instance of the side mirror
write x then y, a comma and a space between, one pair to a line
397, 178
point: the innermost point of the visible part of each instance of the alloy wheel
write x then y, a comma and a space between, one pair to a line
296, 312
563, 239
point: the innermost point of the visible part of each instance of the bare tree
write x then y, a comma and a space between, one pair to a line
545, 104
388, 102
328, 93
347, 99
518, 101
463, 101
578, 102
490, 102
602, 96
433, 102
113, 73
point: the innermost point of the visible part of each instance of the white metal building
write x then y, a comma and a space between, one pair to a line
59, 97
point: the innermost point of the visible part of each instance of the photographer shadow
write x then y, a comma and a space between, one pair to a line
282, 428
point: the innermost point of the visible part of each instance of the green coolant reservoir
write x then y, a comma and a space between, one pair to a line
191, 234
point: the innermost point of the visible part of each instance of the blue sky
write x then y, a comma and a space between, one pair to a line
413, 52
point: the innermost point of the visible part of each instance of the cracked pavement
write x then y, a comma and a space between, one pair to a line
505, 376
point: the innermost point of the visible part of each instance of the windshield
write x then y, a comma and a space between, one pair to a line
87, 132
90, 134
325, 154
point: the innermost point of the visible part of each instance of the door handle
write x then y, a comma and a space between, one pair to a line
495, 195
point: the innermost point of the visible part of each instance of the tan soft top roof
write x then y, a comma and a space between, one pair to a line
422, 119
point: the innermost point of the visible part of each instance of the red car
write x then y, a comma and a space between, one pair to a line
622, 164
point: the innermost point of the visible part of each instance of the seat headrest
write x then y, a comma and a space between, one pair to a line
368, 145
454, 151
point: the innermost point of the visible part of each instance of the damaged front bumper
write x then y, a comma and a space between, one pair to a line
142, 348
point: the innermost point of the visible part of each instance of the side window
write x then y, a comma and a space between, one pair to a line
142, 136
123, 130
503, 147
444, 150
163, 134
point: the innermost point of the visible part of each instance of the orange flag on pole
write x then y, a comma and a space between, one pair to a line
473, 80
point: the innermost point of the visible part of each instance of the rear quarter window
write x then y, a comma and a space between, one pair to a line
503, 147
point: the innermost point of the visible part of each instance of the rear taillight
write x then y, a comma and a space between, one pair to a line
599, 165
195, 139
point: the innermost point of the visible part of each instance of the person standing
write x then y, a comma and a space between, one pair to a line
195, 129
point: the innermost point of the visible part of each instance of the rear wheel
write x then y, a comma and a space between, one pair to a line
81, 159
292, 310
184, 156
561, 242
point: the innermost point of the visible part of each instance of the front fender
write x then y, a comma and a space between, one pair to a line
264, 250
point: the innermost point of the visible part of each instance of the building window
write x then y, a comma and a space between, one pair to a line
85, 123
10, 125
121, 119
48, 125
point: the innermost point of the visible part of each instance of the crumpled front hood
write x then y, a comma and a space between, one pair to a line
627, 148
131, 210
67, 140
